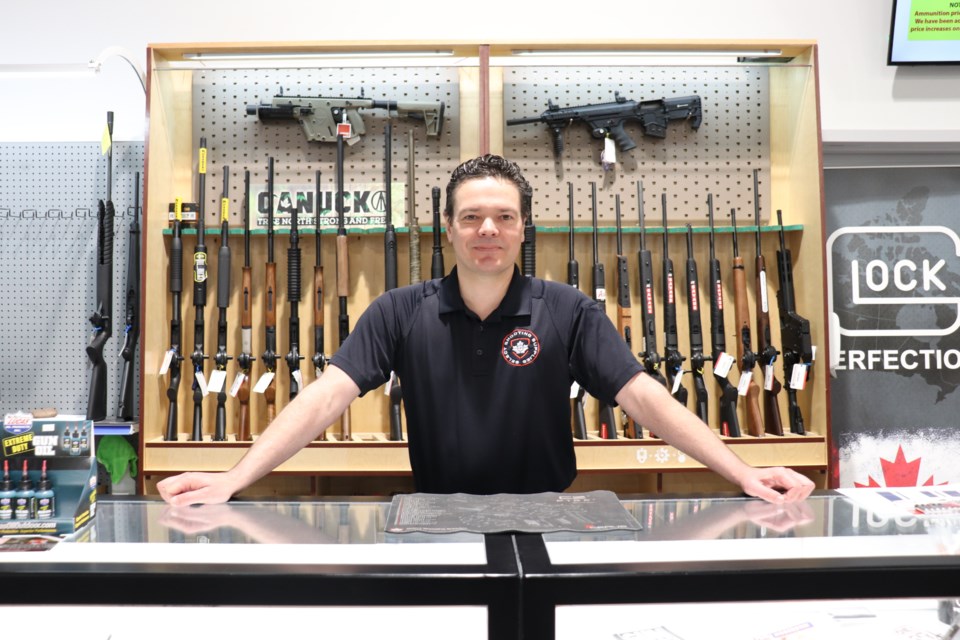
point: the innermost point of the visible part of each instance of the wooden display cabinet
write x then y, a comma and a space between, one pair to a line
483, 85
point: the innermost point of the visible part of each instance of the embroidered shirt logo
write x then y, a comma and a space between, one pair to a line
520, 348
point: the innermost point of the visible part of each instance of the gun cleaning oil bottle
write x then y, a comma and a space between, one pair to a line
7, 493
44, 497
23, 501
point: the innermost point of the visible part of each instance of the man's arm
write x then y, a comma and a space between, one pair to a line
648, 402
313, 410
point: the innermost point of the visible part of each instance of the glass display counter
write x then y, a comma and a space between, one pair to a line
254, 569
719, 567
740, 568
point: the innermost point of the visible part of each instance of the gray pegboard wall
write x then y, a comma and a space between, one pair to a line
243, 142
719, 157
48, 212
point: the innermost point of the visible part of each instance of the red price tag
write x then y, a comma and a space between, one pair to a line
344, 129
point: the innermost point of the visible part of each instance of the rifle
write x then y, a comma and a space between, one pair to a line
436, 265
103, 316
648, 316
199, 296
624, 317
672, 358
343, 274
729, 422
528, 253
319, 357
245, 359
606, 419
794, 333
390, 279
293, 357
269, 357
413, 233
131, 331
746, 358
766, 352
174, 358
223, 301
608, 119
697, 357
573, 279
319, 116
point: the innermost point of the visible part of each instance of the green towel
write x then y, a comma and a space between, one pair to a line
116, 454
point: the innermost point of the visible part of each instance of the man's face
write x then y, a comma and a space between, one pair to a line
486, 227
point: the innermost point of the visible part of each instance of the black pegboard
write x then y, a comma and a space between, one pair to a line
48, 226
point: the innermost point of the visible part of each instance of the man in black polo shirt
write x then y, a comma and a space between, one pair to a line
486, 357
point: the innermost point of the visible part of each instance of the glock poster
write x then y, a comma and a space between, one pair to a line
893, 313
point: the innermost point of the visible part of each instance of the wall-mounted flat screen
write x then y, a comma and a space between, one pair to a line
925, 32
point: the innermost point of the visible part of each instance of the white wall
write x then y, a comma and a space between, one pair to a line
861, 98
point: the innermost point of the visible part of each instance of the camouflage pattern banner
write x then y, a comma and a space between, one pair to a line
893, 308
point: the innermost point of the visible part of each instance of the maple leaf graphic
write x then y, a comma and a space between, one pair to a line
898, 473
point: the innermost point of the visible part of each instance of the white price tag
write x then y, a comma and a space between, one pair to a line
574, 389
768, 377
813, 353
298, 377
676, 381
744, 384
798, 377
263, 382
600, 295
217, 378
608, 158
167, 359
198, 375
237, 383
721, 367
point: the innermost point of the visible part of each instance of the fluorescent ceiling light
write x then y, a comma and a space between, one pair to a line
313, 59
637, 57
646, 52
72, 69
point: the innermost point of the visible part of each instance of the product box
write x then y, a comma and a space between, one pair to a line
48, 480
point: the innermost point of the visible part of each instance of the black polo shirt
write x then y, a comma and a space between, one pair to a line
487, 402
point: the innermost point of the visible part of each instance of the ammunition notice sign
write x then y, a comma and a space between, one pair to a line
893, 313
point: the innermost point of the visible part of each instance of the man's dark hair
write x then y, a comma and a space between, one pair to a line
490, 166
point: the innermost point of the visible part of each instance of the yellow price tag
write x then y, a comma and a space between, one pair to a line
203, 160
105, 141
178, 209
224, 209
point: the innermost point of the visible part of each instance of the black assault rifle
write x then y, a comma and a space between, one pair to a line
794, 332
413, 232
131, 318
729, 422
608, 119
319, 357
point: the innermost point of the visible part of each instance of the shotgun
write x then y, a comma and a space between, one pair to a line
729, 422
223, 301
573, 279
607, 421
766, 353
245, 359
746, 358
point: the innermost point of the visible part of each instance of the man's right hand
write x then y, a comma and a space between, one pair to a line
197, 488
